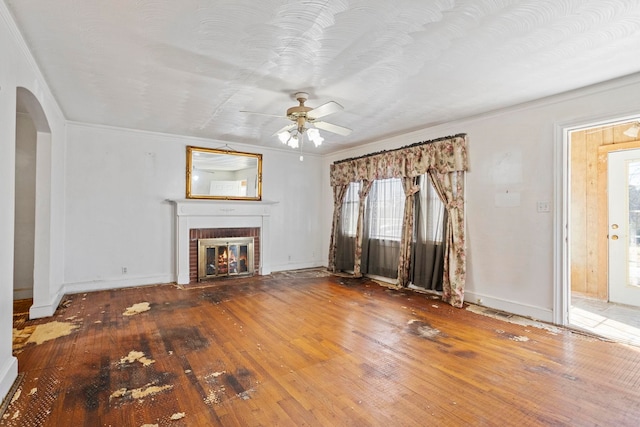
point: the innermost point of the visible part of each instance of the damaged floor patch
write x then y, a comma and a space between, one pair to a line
215, 396
138, 308
16, 396
136, 356
20, 337
217, 393
214, 375
515, 319
516, 338
422, 329
139, 393
50, 331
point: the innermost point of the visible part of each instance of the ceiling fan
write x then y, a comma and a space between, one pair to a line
305, 119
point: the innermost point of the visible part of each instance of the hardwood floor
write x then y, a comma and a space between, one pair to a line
305, 348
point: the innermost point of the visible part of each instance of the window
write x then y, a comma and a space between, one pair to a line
427, 250
385, 209
430, 213
383, 223
350, 205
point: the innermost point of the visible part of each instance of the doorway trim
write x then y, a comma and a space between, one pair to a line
27, 102
562, 199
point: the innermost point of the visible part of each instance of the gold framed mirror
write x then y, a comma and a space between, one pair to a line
223, 174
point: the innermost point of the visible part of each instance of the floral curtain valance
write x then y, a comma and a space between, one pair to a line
443, 155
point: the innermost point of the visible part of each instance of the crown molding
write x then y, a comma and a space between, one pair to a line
191, 140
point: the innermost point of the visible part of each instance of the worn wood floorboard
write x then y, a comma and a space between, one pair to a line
295, 349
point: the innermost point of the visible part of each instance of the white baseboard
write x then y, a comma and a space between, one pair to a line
45, 310
8, 374
100, 285
524, 310
296, 266
183, 279
22, 293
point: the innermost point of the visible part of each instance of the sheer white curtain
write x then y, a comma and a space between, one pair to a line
384, 212
428, 247
345, 250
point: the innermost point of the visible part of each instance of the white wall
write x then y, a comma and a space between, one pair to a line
25, 209
18, 69
8, 364
296, 220
512, 166
117, 214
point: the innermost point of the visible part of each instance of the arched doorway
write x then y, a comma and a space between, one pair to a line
32, 199
25, 209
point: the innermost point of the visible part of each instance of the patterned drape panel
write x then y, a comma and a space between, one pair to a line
410, 188
338, 197
364, 190
450, 188
445, 160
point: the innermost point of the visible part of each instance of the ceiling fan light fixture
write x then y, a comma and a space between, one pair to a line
284, 137
305, 121
293, 142
633, 131
314, 135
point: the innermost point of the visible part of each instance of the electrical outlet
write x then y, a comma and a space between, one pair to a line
124, 270
543, 207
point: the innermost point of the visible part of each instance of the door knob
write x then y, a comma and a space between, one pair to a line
614, 226
614, 237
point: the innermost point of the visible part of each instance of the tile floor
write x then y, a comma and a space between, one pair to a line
613, 321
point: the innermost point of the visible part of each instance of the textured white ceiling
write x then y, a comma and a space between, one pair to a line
189, 67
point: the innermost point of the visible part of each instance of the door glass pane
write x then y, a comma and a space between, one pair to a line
223, 260
233, 259
633, 175
211, 261
242, 259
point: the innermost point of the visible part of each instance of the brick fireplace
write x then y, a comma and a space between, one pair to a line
204, 219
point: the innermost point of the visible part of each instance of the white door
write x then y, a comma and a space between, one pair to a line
624, 226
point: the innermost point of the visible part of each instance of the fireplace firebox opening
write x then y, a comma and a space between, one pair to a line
224, 257
225, 235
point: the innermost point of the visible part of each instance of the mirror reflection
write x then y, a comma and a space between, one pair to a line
223, 174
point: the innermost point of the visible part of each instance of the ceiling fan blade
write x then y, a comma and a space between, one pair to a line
324, 110
263, 114
285, 129
329, 127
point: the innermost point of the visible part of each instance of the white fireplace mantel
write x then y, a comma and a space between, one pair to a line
220, 214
